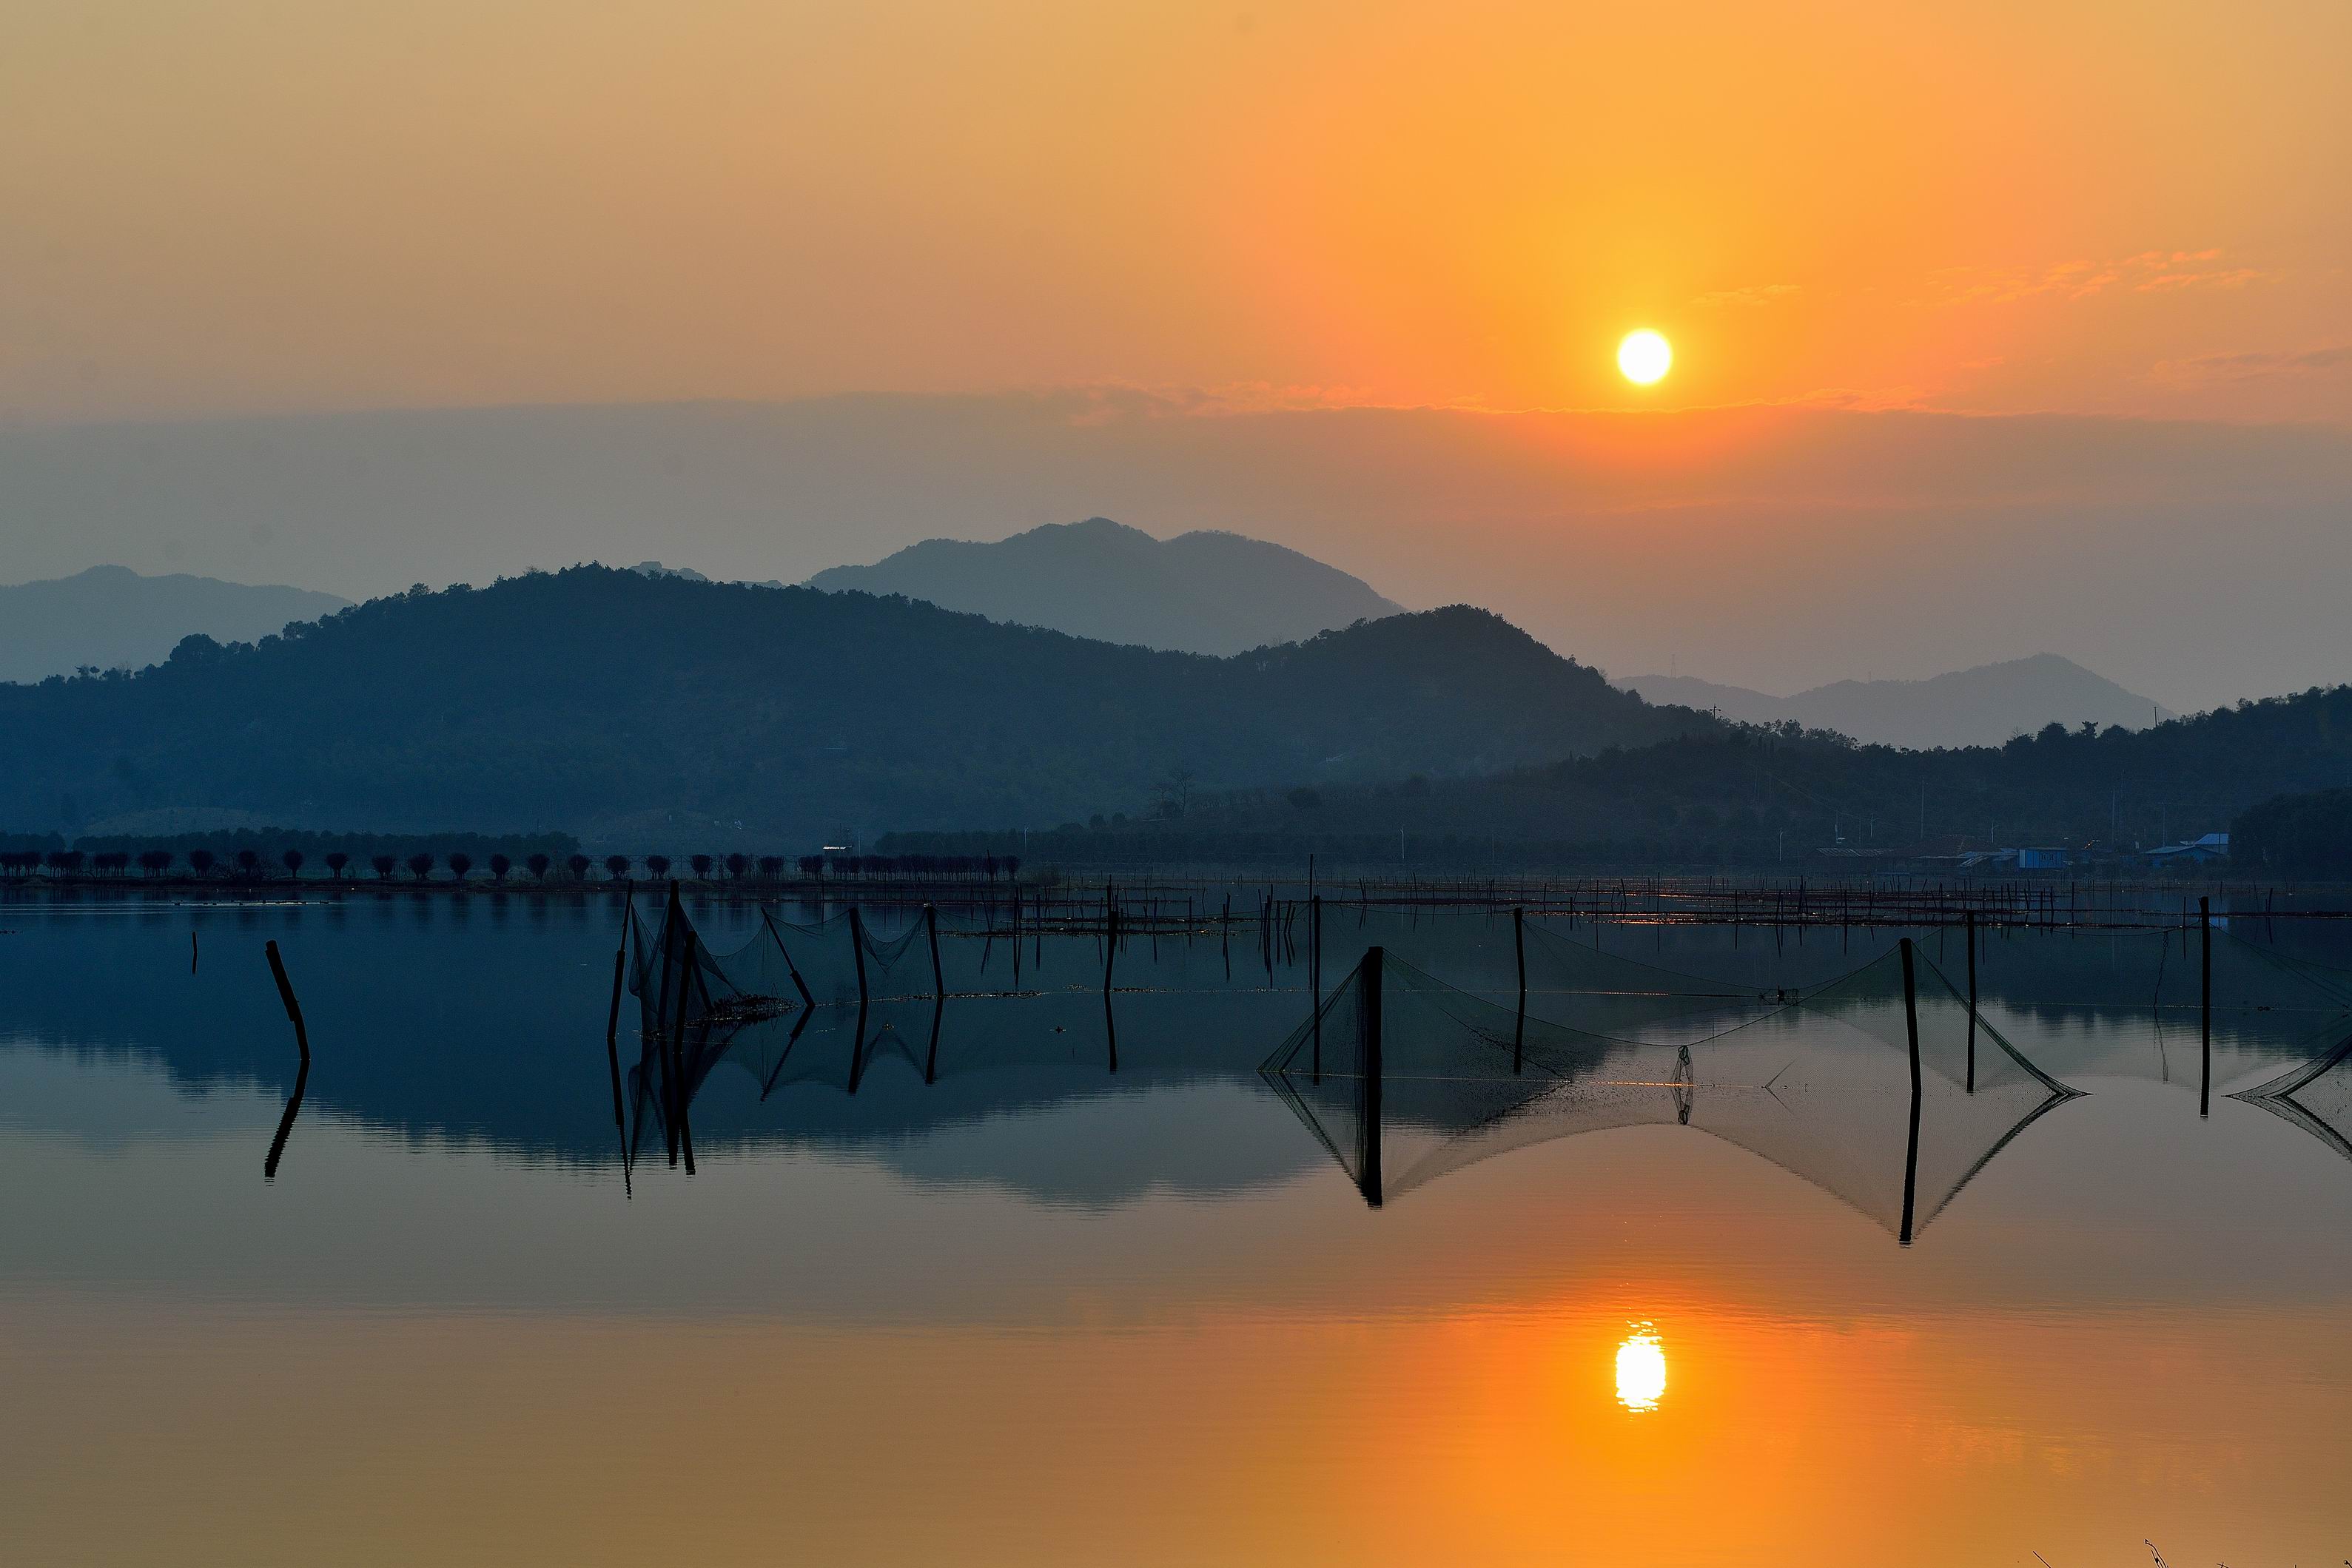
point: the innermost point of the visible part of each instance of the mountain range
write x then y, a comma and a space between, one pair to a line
1202, 592
1980, 707
656, 712
110, 617
1207, 592
614, 700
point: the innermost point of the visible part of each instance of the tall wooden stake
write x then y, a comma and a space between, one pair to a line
807, 1001
1972, 1001
1111, 956
286, 995
1368, 1119
1519, 946
857, 950
613, 1030
1911, 1013
931, 928
301, 1071
1911, 1167
2205, 1009
1314, 973
675, 1053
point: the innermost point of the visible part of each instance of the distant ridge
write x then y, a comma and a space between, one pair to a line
1206, 592
794, 712
113, 618
1981, 706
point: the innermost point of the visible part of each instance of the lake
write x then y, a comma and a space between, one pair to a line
1674, 1266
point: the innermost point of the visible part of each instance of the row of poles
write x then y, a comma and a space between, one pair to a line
678, 1136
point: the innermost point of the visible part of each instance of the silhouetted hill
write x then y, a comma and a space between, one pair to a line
112, 617
1980, 707
595, 699
1201, 593
1776, 802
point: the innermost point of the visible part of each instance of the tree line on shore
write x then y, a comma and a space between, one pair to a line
249, 864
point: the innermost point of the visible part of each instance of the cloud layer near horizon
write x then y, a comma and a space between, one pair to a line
1769, 547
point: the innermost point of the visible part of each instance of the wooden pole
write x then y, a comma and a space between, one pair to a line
301, 1071
1110, 1024
1368, 1121
688, 983
1314, 973
613, 1030
807, 1001
672, 917
931, 928
674, 1049
286, 995
2205, 1008
1519, 1032
857, 950
1911, 1014
286, 1122
1972, 1001
1911, 1161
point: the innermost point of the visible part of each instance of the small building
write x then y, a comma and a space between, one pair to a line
2044, 859
2191, 852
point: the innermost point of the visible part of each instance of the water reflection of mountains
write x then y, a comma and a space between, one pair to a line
437, 1019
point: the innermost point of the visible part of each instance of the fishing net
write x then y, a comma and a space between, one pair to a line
678, 982
2133, 1004
1403, 1078
2316, 1097
1825, 1088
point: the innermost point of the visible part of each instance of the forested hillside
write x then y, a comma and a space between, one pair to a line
1764, 799
602, 701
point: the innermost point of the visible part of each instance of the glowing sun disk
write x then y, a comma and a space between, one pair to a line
1645, 357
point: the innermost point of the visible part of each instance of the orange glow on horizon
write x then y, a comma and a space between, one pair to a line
523, 201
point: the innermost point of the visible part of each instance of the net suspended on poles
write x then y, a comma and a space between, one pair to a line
1836, 1101
2316, 1097
2136, 1004
1578, 982
844, 958
824, 1004
1403, 1078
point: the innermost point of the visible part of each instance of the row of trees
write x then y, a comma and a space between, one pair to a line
250, 865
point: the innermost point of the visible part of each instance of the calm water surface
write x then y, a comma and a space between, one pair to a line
1050, 1314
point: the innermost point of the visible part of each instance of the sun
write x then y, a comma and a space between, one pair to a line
1641, 1369
1645, 357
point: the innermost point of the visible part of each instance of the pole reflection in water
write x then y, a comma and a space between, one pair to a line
995, 1235
302, 1072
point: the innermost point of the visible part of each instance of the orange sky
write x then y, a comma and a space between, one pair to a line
240, 204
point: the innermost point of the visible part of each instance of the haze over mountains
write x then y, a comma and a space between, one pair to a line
1982, 707
1203, 593
112, 617
1794, 545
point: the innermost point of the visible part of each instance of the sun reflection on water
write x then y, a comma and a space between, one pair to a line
1641, 1369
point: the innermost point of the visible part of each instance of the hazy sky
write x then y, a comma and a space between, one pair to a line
2197, 563
1120, 255
2129, 206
